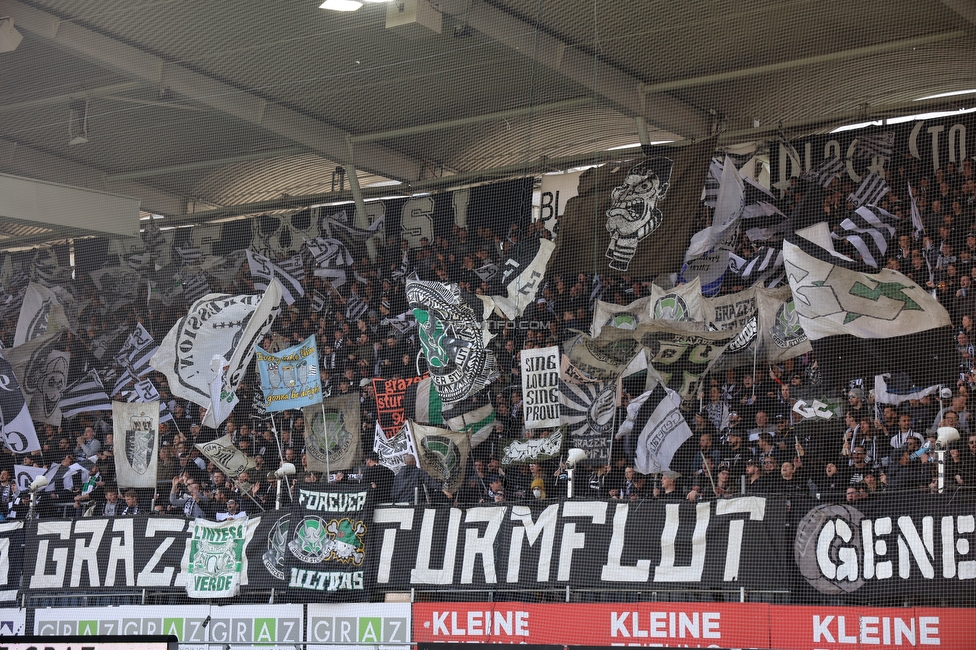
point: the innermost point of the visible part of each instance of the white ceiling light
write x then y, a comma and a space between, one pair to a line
971, 91
341, 5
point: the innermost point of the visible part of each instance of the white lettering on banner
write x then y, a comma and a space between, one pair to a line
877, 630
479, 539
86, 540
332, 501
477, 623
666, 625
837, 549
545, 525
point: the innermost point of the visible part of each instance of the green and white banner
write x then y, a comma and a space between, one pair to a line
215, 559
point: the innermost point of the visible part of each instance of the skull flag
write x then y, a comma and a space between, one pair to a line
326, 547
634, 218
136, 428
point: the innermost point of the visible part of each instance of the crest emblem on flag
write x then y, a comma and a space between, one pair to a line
453, 341
671, 307
786, 331
634, 214
444, 453
316, 541
329, 437
140, 443
274, 557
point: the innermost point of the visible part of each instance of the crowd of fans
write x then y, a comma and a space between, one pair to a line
747, 435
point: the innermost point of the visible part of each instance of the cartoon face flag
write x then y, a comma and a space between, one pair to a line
217, 324
332, 434
634, 218
453, 340
16, 425
136, 427
290, 378
42, 370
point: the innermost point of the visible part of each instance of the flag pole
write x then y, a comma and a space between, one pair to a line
328, 467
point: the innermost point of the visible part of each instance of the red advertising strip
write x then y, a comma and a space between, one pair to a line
695, 625
686, 625
827, 628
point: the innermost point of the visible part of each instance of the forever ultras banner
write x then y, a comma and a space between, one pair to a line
290, 378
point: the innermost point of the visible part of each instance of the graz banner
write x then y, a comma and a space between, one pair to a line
136, 427
215, 562
540, 387
239, 626
362, 624
326, 542
389, 402
289, 378
581, 544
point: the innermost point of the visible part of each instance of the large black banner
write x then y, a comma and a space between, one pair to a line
921, 147
583, 544
325, 552
909, 547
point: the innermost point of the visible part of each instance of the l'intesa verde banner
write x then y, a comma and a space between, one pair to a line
290, 378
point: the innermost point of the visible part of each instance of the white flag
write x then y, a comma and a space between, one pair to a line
136, 429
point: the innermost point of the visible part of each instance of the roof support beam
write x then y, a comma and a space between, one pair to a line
26, 161
134, 63
620, 89
102, 91
843, 55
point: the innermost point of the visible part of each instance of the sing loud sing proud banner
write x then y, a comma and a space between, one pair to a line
540, 387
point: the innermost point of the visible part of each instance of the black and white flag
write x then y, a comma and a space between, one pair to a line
36, 311
85, 395
656, 415
870, 231
264, 271
870, 192
41, 367
136, 352
764, 265
188, 255
144, 392
293, 266
328, 253
879, 145
48, 270
195, 285
16, 425
825, 172
356, 306
319, 300
404, 268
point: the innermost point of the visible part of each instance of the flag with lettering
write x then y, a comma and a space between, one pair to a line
661, 428
85, 395
326, 542
217, 324
265, 272
289, 378
228, 458
540, 387
136, 429
214, 563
